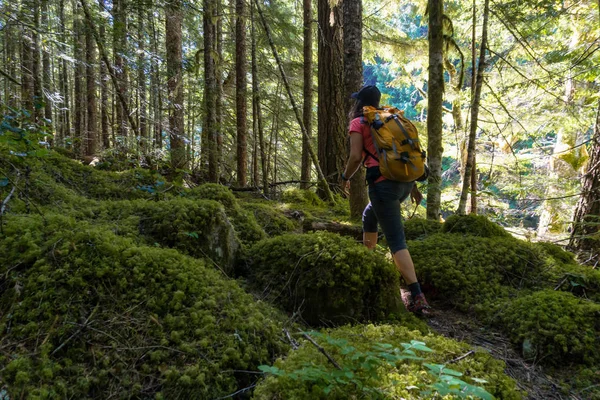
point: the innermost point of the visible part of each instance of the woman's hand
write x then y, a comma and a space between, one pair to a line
415, 195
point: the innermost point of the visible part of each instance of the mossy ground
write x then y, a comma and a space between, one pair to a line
113, 284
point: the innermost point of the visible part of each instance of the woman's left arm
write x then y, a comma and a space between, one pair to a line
355, 158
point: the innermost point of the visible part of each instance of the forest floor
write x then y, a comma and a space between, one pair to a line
529, 376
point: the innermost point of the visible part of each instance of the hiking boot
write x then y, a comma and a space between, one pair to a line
419, 305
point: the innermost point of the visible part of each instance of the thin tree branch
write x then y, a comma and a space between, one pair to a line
322, 350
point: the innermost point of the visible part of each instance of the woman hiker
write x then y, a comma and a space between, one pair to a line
385, 196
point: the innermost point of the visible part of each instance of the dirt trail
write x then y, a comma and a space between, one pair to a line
529, 377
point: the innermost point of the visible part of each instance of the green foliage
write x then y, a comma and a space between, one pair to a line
473, 225
271, 220
326, 278
87, 314
386, 361
554, 327
21, 137
470, 271
420, 228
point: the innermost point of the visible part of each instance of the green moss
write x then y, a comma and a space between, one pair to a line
299, 196
244, 222
555, 251
470, 272
93, 315
272, 221
326, 278
420, 228
554, 327
473, 225
405, 379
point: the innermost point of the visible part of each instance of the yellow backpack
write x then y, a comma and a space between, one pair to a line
397, 144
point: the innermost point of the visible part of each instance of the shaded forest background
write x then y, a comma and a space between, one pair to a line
222, 91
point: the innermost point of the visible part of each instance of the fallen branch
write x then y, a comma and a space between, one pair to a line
322, 350
292, 341
342, 229
7, 199
457, 359
85, 324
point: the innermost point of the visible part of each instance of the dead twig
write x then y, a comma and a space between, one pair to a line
322, 350
457, 359
85, 324
292, 341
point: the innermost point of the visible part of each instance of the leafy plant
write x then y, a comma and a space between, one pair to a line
363, 371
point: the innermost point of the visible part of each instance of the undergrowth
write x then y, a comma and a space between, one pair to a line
88, 314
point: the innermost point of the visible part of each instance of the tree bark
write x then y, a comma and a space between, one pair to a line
92, 114
65, 113
313, 156
241, 92
46, 68
38, 93
586, 226
353, 78
143, 110
331, 105
210, 92
104, 90
434, 108
173, 41
474, 114
258, 112
308, 93
120, 65
26, 61
473, 83
79, 126
219, 131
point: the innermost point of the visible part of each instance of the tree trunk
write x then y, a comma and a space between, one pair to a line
173, 40
308, 93
217, 147
473, 83
65, 126
331, 105
36, 64
586, 227
209, 144
104, 90
240, 93
434, 108
143, 121
474, 114
156, 87
353, 79
92, 114
257, 108
46, 68
120, 65
79, 126
26, 62
313, 156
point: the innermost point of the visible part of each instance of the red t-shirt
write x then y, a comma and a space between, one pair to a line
363, 128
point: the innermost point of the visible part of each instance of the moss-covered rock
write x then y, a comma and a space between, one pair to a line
555, 251
272, 221
244, 222
554, 327
87, 314
306, 372
326, 278
469, 271
473, 225
299, 196
420, 228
